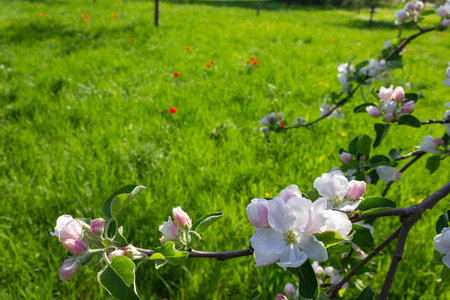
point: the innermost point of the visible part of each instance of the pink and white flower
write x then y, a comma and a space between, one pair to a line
97, 226
442, 245
373, 111
74, 246
67, 228
385, 94
257, 213
430, 144
169, 231
68, 268
180, 217
387, 174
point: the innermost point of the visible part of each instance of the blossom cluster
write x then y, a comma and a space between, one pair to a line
178, 231
273, 122
411, 11
75, 236
285, 228
447, 73
443, 11
393, 104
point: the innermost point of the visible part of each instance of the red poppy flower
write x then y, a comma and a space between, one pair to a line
86, 16
130, 39
212, 62
187, 48
42, 14
247, 61
114, 15
175, 74
254, 63
252, 58
172, 110
207, 65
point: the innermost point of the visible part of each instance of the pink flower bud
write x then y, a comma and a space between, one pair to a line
408, 107
419, 5
281, 297
289, 290
373, 111
398, 94
180, 217
385, 94
72, 230
398, 175
344, 255
169, 231
329, 271
345, 157
257, 213
356, 189
360, 254
442, 11
389, 117
439, 141
409, 6
116, 253
97, 226
68, 268
75, 246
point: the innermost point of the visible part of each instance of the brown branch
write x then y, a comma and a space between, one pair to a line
221, 256
403, 169
413, 153
407, 41
332, 291
432, 121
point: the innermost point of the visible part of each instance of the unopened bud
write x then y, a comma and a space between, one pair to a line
180, 217
97, 226
116, 253
408, 107
356, 189
345, 157
75, 246
68, 268
289, 290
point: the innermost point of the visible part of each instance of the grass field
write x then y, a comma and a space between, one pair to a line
84, 110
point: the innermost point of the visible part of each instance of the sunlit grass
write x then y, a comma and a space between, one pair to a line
85, 110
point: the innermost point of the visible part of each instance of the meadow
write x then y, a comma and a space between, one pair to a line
85, 109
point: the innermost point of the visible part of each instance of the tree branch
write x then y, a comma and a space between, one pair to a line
204, 254
403, 169
432, 121
332, 291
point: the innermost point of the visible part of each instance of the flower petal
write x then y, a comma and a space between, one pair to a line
289, 192
292, 257
281, 217
267, 241
312, 247
265, 260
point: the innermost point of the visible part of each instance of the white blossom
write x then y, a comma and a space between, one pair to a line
386, 174
428, 144
442, 245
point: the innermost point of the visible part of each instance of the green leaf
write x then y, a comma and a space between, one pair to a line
433, 163
414, 97
409, 120
362, 236
362, 108
120, 241
119, 199
254, 296
375, 202
364, 145
361, 65
206, 221
167, 252
329, 238
395, 64
352, 147
381, 130
446, 139
379, 160
313, 195
112, 228
441, 223
445, 275
394, 153
118, 277
195, 237
309, 287
376, 210
366, 294
427, 12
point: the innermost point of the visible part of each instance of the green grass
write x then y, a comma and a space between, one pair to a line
85, 111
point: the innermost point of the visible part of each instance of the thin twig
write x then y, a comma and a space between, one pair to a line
407, 41
432, 121
204, 254
336, 287
407, 155
403, 169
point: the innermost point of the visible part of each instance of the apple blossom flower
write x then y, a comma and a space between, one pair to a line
389, 106
318, 270
385, 94
356, 189
408, 107
115, 253
287, 240
180, 217
350, 172
75, 246
398, 94
257, 213
289, 290
442, 245
387, 44
345, 157
375, 68
401, 15
281, 297
388, 117
409, 6
132, 253
343, 76
68, 268
447, 73
441, 11
325, 110
67, 228
169, 231
386, 174
429, 144
446, 117
373, 111
97, 226
419, 5
299, 121
324, 219
446, 23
